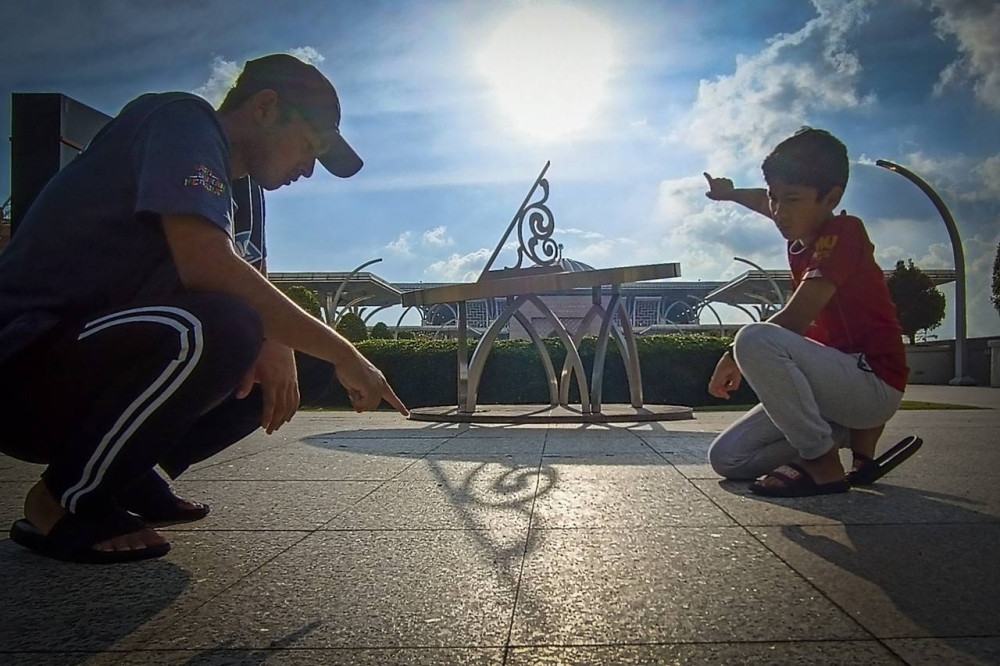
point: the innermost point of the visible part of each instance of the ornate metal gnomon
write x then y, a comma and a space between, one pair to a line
535, 225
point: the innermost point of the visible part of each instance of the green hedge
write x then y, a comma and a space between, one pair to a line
675, 370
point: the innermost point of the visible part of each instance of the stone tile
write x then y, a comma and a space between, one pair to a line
951, 651
824, 653
504, 471
300, 462
270, 505
12, 503
62, 658
900, 581
588, 445
621, 496
311, 657
526, 433
496, 446
65, 607
861, 506
246, 448
495, 506
12, 469
666, 585
396, 430
364, 590
611, 466
702, 422
375, 445
686, 451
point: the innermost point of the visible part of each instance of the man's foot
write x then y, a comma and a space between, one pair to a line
152, 499
43, 511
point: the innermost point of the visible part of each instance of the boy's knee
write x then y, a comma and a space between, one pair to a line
755, 340
721, 458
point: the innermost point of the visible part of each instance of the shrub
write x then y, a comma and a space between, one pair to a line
675, 370
304, 298
380, 332
352, 327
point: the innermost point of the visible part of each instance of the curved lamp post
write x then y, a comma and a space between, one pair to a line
960, 379
774, 285
343, 285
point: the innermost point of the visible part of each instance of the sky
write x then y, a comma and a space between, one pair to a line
456, 106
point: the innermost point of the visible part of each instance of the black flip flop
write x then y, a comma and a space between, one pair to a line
152, 500
873, 470
73, 538
797, 482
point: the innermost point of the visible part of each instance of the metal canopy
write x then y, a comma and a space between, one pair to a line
374, 290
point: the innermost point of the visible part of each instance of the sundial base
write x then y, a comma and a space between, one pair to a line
517, 414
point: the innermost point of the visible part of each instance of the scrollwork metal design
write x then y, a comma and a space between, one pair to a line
541, 224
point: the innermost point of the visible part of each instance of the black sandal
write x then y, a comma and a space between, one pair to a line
871, 470
797, 482
73, 538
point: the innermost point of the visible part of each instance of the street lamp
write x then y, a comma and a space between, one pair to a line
960, 379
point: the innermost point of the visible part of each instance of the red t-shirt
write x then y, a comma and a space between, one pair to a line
861, 317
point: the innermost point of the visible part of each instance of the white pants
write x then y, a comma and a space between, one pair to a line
811, 396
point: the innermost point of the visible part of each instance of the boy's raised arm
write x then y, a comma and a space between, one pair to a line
721, 189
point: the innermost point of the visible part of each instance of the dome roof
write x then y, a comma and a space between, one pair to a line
574, 266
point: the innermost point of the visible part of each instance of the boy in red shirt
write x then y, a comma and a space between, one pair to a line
829, 368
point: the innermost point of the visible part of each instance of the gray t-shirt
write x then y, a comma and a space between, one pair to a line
92, 240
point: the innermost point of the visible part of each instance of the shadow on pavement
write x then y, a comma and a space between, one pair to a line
50, 605
938, 574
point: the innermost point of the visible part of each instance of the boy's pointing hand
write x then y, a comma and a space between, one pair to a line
719, 189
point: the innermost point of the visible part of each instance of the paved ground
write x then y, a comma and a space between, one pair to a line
375, 540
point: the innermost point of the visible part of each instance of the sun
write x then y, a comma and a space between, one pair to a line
548, 65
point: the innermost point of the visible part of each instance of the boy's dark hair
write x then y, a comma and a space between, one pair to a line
810, 158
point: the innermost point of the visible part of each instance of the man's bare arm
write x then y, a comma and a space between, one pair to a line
206, 261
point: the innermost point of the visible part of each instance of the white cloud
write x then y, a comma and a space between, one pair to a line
975, 25
583, 233
224, 73
459, 267
307, 54
738, 119
437, 237
401, 245
223, 76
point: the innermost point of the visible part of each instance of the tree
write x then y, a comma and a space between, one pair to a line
380, 332
305, 299
996, 280
919, 304
352, 327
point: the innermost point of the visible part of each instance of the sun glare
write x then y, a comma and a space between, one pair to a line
548, 65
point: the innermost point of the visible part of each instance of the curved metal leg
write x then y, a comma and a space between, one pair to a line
571, 351
550, 371
566, 377
483, 349
463, 355
630, 352
600, 354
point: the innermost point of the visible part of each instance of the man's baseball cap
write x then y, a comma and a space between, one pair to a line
304, 88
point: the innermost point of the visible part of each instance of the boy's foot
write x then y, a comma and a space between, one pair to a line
827, 469
794, 480
867, 471
42, 512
